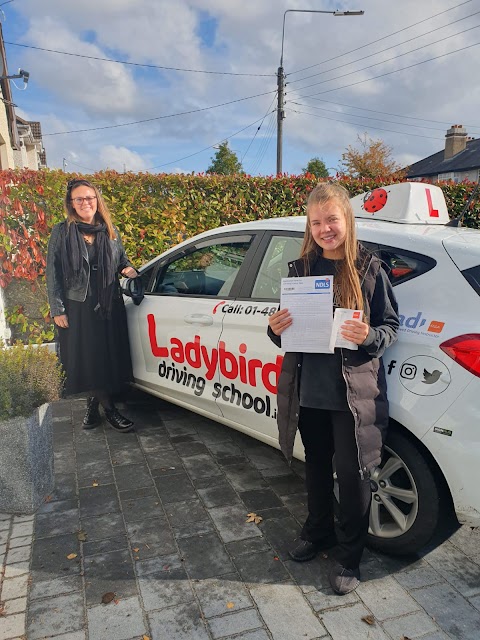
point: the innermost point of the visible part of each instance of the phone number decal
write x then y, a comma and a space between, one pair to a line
249, 310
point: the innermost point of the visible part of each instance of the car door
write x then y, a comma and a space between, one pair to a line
175, 331
247, 388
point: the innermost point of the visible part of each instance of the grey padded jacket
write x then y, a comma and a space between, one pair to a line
363, 370
56, 287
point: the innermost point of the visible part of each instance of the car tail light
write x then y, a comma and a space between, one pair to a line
465, 350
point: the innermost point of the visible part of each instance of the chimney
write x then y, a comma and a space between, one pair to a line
455, 141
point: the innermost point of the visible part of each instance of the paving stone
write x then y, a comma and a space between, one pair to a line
413, 625
311, 575
56, 524
231, 522
20, 542
132, 476
49, 557
286, 622
258, 634
178, 623
205, 557
281, 534
176, 488
75, 635
178, 428
17, 569
280, 469
121, 455
109, 572
286, 485
224, 450
326, 598
14, 588
452, 613
221, 595
165, 463
258, 499
153, 443
96, 473
454, 566
140, 508
212, 432
234, 623
20, 554
4, 535
276, 513
261, 568
162, 563
244, 478
12, 626
152, 537
122, 621
264, 457
58, 506
182, 513
386, 598
166, 587
21, 529
115, 543
101, 527
187, 449
95, 501
18, 605
467, 539
246, 547
475, 601
222, 494
418, 577
201, 528
297, 505
201, 466
436, 635
52, 616
346, 622
55, 587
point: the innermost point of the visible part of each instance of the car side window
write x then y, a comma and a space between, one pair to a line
146, 276
280, 251
207, 271
400, 264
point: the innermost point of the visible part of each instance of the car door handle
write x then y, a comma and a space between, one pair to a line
199, 318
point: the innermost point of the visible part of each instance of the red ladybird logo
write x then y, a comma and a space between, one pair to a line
375, 200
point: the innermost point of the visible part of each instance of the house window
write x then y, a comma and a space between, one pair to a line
455, 176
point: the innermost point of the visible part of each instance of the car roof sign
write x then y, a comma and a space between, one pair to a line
405, 203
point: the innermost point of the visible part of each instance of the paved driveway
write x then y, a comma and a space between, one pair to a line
154, 522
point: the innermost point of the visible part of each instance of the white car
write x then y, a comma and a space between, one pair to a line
199, 339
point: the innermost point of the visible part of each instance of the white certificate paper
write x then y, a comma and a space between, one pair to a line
336, 339
310, 303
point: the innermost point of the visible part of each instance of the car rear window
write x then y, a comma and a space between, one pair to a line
472, 276
400, 264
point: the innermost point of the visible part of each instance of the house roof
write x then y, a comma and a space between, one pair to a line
466, 160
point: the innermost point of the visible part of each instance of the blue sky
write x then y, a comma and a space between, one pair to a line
364, 76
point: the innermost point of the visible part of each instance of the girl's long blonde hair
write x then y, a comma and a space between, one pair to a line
102, 214
347, 277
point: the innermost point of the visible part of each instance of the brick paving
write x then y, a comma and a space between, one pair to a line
157, 518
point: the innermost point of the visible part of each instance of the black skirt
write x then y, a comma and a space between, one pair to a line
95, 352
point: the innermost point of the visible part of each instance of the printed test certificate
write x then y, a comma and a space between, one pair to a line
309, 301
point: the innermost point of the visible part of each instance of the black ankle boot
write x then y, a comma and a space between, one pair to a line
92, 415
117, 421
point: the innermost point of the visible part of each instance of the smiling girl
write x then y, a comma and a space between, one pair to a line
338, 401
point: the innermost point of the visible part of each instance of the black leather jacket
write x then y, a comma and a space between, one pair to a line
56, 287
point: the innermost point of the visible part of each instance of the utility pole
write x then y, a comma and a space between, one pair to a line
64, 165
280, 117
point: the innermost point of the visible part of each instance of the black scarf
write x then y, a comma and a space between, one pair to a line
72, 262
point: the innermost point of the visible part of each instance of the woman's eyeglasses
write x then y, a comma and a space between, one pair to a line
87, 199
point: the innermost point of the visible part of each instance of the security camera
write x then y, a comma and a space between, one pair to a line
24, 74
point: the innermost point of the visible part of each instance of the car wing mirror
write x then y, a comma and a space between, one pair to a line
134, 289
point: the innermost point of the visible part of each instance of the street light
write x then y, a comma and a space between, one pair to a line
281, 78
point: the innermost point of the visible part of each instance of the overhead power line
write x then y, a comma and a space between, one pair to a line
371, 55
211, 146
383, 38
356, 124
269, 110
388, 73
139, 64
170, 115
400, 55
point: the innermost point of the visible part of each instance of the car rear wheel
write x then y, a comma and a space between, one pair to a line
405, 499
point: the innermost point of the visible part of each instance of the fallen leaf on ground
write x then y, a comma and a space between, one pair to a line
82, 536
369, 619
71, 556
48, 498
2, 610
95, 484
136, 549
145, 637
252, 517
108, 597
230, 605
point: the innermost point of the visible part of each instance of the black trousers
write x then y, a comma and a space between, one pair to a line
325, 433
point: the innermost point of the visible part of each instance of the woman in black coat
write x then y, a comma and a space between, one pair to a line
338, 401
85, 256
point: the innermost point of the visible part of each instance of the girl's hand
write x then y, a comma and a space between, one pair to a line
61, 321
280, 321
355, 331
129, 272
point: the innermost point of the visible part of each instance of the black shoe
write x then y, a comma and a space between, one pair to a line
92, 415
304, 550
343, 580
117, 421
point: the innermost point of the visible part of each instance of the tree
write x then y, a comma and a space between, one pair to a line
225, 161
317, 168
372, 160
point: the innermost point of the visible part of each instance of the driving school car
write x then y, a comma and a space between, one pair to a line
198, 339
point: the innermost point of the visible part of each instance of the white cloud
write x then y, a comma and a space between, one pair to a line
121, 159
